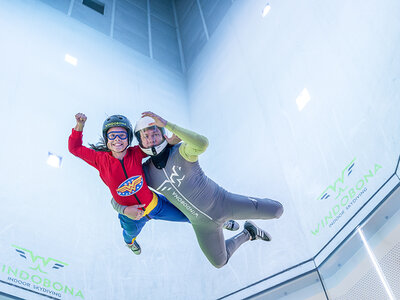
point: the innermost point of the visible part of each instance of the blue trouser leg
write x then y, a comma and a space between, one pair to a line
131, 228
163, 211
166, 211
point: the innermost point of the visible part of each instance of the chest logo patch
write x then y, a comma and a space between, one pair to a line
130, 186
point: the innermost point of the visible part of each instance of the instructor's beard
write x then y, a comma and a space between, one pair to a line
160, 160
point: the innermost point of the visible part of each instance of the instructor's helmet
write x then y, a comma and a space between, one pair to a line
118, 121
150, 137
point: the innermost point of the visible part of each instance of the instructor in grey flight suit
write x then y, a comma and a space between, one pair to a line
174, 171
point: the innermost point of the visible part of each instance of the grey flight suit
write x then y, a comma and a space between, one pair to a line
206, 204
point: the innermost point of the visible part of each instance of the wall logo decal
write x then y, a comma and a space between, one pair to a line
39, 263
344, 193
38, 275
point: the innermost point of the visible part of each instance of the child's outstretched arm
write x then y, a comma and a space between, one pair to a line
75, 142
80, 121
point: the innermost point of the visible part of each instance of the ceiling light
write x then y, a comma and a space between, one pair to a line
70, 59
54, 160
266, 10
303, 99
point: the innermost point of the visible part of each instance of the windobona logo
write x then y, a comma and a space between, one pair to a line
344, 193
39, 262
338, 187
35, 277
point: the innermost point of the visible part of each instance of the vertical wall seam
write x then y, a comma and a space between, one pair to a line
320, 280
113, 18
149, 28
397, 166
71, 5
203, 20
178, 35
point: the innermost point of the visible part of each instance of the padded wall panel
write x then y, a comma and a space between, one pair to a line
131, 26
192, 32
62, 5
214, 11
92, 18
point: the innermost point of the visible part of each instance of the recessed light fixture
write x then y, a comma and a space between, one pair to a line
54, 160
303, 99
71, 60
266, 10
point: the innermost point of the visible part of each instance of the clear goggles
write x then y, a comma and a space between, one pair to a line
112, 135
151, 136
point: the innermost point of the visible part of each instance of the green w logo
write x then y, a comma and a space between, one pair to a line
339, 186
39, 263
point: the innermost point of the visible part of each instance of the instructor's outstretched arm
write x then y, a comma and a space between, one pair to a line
193, 144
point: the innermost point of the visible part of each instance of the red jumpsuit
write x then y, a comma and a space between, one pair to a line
124, 178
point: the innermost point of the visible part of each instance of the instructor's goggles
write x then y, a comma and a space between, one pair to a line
112, 135
151, 137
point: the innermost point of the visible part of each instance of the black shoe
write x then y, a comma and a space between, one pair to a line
135, 247
256, 233
231, 225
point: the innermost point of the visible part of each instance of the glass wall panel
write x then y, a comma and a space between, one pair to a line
366, 265
307, 287
382, 237
4, 296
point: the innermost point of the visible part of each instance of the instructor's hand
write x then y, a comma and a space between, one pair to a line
134, 212
173, 140
160, 122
